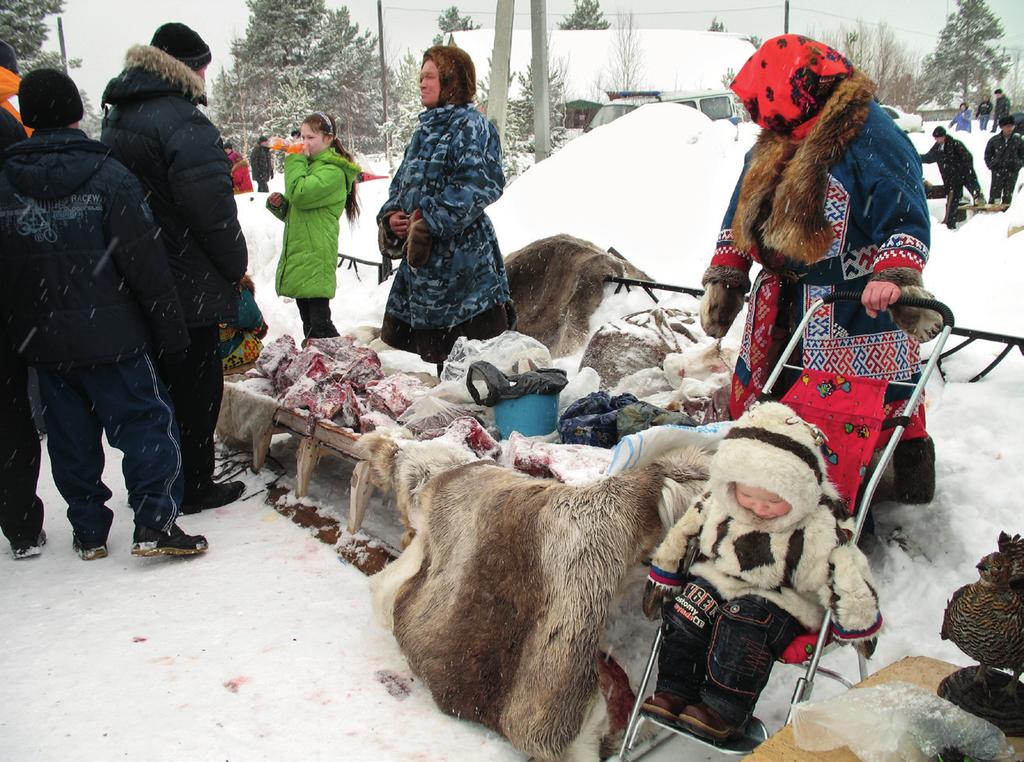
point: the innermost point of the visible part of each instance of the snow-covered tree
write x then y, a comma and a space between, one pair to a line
717, 26
966, 56
404, 105
585, 15
451, 20
626, 68
519, 135
23, 27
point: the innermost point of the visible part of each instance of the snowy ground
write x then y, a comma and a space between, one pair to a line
265, 648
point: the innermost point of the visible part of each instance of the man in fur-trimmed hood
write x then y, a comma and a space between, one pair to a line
830, 198
774, 548
156, 130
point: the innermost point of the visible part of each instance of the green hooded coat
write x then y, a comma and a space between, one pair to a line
314, 200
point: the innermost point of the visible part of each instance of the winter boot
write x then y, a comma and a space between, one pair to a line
665, 704
90, 550
216, 495
979, 198
27, 548
173, 542
914, 471
702, 720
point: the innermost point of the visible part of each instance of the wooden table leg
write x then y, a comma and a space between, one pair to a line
261, 446
305, 462
359, 495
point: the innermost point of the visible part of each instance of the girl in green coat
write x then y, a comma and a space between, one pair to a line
319, 184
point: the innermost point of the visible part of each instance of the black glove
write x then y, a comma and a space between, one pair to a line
418, 243
724, 289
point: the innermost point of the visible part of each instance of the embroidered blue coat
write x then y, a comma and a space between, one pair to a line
875, 204
451, 173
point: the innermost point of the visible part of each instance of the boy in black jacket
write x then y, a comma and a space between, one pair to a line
85, 296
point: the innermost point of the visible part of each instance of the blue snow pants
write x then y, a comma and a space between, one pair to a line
128, 401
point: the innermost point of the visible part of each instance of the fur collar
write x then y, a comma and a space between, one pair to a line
797, 172
167, 67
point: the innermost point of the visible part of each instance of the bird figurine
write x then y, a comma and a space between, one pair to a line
985, 619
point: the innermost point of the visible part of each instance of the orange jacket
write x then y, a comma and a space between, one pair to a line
9, 83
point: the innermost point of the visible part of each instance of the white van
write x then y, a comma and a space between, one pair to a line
715, 104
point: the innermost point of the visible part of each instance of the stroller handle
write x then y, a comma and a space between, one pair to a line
948, 321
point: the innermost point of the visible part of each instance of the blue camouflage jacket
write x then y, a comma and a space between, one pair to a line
451, 172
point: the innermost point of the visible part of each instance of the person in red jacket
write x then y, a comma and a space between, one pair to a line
241, 181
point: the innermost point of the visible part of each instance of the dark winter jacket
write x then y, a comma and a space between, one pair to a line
955, 162
984, 108
261, 164
11, 131
1004, 154
83, 276
451, 173
1002, 107
155, 129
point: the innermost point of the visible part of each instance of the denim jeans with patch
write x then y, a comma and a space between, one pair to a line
720, 652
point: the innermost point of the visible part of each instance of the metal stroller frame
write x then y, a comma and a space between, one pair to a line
755, 732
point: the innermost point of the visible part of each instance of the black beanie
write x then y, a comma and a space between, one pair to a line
1007, 121
183, 43
938, 132
48, 100
8, 59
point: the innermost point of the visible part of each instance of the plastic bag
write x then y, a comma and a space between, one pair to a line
896, 722
430, 413
509, 352
500, 386
583, 383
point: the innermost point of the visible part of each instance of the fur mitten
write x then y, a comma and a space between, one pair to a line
659, 586
389, 244
920, 324
418, 242
724, 289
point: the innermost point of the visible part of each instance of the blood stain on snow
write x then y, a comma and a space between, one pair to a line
235, 683
398, 686
139, 639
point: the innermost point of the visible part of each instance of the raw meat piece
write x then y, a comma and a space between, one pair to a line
468, 432
275, 360
393, 395
357, 364
373, 420
350, 409
578, 465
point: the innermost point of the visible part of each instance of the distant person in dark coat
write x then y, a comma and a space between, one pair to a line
1002, 108
984, 111
956, 165
1004, 155
261, 164
21, 510
86, 296
156, 130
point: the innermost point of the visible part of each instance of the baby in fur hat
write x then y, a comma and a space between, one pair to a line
774, 547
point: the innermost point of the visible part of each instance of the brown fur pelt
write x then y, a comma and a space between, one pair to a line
556, 285
400, 463
500, 602
167, 67
798, 174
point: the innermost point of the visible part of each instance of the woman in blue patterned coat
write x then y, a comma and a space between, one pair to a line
451, 281
830, 198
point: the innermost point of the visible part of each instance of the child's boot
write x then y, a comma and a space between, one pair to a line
704, 721
665, 704
913, 465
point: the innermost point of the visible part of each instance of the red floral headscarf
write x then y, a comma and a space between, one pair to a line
787, 81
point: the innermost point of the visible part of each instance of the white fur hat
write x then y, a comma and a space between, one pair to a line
772, 448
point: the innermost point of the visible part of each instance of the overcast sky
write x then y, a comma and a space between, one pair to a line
100, 31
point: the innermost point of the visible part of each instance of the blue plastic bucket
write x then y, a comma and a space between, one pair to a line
531, 415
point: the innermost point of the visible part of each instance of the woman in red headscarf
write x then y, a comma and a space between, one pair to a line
830, 198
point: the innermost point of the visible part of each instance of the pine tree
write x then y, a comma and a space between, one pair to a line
23, 27
451, 20
519, 135
404, 105
717, 26
350, 85
966, 57
585, 15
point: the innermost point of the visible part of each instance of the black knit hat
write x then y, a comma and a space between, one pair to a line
8, 59
1007, 120
48, 99
939, 132
183, 43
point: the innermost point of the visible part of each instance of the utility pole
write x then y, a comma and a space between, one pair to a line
785, 22
497, 94
541, 96
383, 79
63, 50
